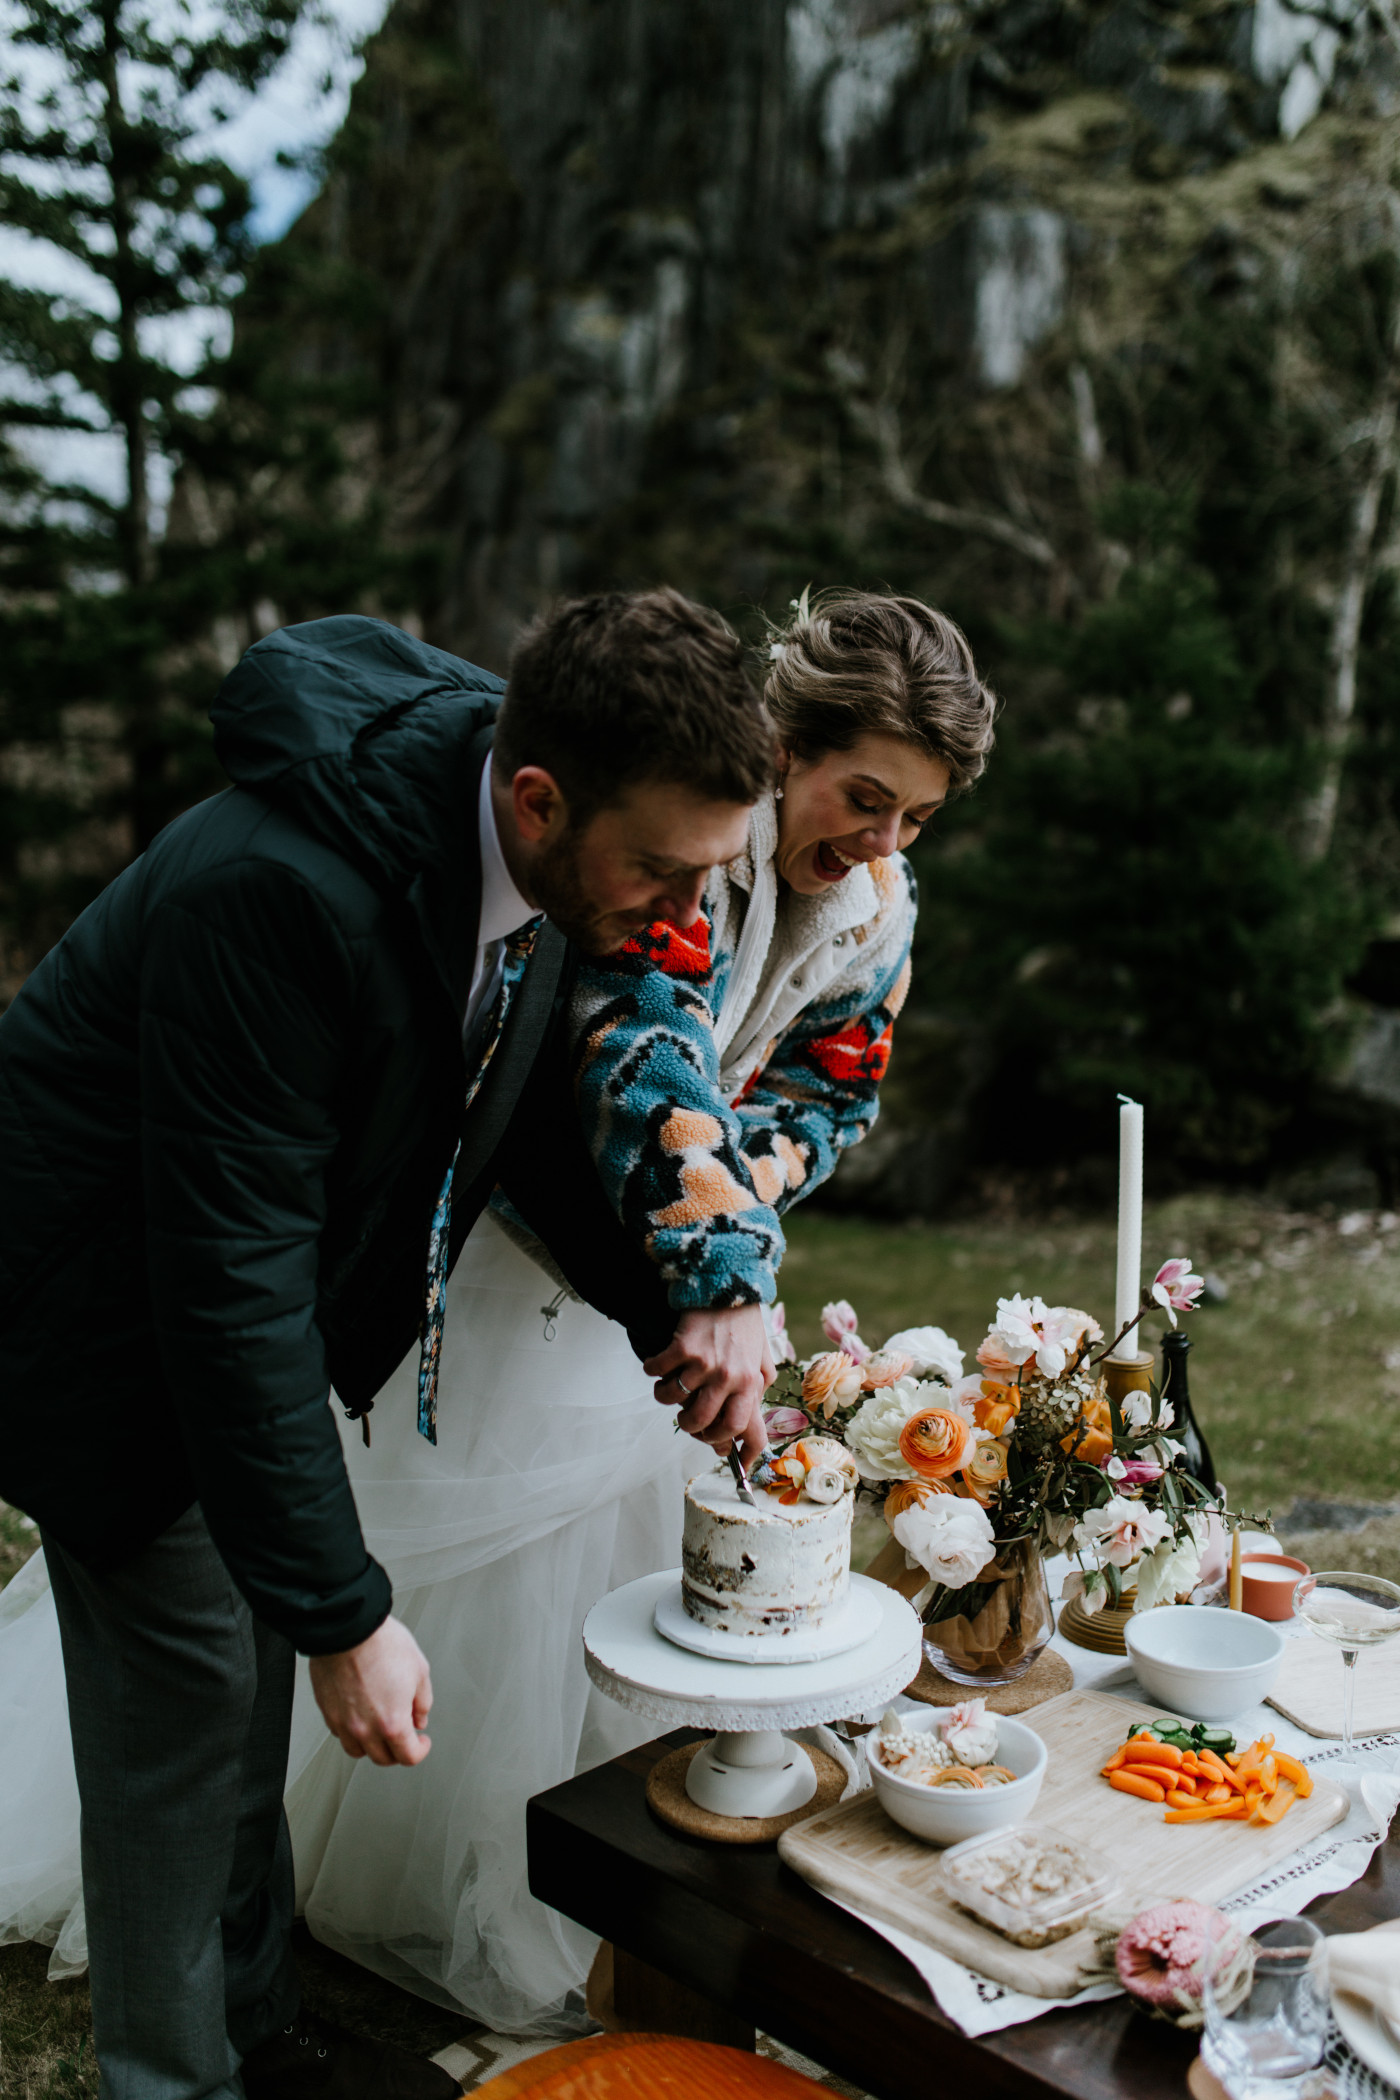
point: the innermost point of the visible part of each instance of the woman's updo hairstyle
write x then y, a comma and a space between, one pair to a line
852, 662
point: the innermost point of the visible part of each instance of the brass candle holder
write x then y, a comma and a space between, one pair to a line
1103, 1630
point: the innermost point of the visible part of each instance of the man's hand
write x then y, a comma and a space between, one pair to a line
376, 1698
716, 1371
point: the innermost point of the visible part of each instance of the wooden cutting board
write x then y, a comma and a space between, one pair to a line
856, 1854
1308, 1689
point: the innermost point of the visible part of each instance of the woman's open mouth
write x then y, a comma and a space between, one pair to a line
832, 864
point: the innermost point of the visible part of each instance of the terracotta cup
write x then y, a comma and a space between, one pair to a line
1265, 1595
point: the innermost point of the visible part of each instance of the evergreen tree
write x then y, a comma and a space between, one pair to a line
179, 353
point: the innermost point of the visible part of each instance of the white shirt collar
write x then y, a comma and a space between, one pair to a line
503, 909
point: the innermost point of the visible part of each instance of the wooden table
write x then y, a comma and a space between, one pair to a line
761, 1948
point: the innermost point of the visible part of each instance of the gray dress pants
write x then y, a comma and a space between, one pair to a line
180, 1708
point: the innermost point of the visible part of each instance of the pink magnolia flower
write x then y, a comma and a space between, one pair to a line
1121, 1530
1174, 1287
1133, 1472
839, 1324
785, 1421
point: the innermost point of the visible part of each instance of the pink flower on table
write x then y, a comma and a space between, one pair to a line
1174, 1287
785, 1421
839, 1324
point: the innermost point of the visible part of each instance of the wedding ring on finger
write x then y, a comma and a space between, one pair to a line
681, 1383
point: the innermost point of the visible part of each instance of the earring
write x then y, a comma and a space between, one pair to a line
777, 794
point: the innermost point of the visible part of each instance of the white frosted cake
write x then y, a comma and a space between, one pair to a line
777, 1568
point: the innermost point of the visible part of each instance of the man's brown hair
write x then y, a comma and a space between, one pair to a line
608, 691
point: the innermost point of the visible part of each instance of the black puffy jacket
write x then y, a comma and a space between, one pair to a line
227, 1101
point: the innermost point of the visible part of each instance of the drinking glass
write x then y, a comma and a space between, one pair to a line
1355, 1611
1268, 2045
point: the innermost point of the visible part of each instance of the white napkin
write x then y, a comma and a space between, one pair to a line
1367, 1964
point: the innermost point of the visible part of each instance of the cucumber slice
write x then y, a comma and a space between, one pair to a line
1217, 1739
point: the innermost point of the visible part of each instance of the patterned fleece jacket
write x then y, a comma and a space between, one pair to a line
723, 1069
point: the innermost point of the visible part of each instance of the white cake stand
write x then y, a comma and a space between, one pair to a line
751, 1768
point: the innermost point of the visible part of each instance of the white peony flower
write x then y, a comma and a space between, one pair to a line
931, 1353
1172, 1569
949, 1537
872, 1434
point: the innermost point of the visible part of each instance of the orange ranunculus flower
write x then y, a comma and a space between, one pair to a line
1092, 1437
831, 1380
935, 1442
985, 1471
998, 1406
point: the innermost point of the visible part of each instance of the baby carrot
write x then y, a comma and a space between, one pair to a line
1177, 1799
1115, 1761
1277, 1805
1220, 1793
1207, 1812
1137, 1783
1153, 1754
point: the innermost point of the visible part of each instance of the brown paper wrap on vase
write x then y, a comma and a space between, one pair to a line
1005, 1622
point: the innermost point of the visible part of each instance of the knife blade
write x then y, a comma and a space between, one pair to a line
736, 1467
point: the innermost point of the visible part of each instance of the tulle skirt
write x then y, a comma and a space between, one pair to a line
555, 1478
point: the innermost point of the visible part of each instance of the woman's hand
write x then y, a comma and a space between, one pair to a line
716, 1371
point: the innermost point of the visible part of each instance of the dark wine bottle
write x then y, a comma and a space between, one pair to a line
1176, 1396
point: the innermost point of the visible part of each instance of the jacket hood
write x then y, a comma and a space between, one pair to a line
374, 741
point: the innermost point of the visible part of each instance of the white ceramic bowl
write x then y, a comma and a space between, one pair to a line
945, 1814
1203, 1664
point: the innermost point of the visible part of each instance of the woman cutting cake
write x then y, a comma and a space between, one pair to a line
721, 1070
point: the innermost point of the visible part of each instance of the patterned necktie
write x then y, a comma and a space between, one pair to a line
519, 946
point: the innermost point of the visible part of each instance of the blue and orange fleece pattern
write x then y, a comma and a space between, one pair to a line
700, 1180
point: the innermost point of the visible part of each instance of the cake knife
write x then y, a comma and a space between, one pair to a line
736, 1467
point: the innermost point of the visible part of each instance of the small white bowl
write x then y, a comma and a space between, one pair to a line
1203, 1664
944, 1815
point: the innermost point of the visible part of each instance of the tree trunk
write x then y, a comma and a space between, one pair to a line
1344, 643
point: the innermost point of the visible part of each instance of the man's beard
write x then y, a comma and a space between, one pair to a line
560, 891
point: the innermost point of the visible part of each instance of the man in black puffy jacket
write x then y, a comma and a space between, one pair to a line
250, 1107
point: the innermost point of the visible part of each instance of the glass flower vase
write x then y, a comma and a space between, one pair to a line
990, 1632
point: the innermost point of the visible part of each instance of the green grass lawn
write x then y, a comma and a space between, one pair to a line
1295, 1379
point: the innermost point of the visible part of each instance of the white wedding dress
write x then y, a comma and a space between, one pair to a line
555, 1478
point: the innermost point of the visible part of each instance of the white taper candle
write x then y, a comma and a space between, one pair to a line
1128, 1295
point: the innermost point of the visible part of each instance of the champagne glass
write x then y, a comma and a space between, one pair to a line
1355, 1611
1265, 2036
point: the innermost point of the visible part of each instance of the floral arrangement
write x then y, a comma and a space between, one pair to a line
1027, 1447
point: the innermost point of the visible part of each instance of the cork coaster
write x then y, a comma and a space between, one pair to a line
1047, 1677
667, 1798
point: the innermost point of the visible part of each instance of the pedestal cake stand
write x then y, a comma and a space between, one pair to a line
751, 1768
